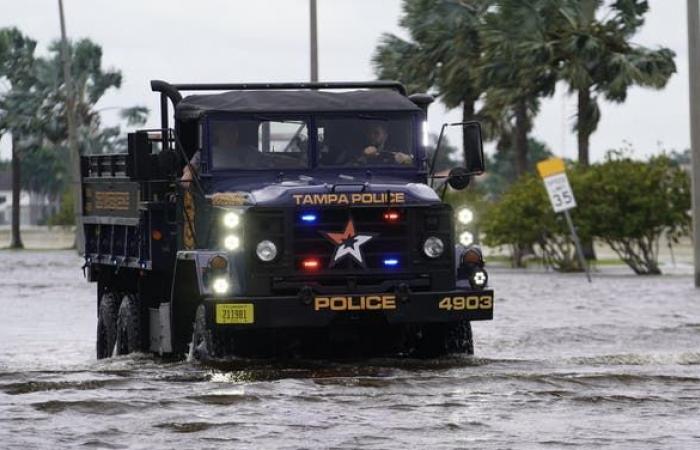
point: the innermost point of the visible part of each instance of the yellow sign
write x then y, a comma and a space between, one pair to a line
234, 313
350, 199
550, 167
355, 303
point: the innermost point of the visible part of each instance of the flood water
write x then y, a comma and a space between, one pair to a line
565, 364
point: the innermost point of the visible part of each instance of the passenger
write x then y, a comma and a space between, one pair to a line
377, 136
227, 152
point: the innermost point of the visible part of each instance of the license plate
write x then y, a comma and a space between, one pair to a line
234, 313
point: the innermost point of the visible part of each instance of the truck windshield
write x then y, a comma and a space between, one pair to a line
258, 144
362, 141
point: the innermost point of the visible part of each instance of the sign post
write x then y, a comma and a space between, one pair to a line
553, 173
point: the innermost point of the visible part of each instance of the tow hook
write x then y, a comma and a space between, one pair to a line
306, 295
403, 293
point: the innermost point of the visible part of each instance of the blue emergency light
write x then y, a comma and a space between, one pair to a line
391, 262
309, 218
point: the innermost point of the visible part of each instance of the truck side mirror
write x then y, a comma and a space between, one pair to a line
473, 148
473, 154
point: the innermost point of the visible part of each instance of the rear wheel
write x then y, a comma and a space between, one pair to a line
129, 330
107, 312
444, 339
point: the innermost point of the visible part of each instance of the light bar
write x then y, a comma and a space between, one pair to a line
391, 262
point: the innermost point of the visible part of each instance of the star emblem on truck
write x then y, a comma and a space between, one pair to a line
348, 243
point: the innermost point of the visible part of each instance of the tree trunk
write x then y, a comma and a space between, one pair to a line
521, 130
585, 129
584, 126
16, 241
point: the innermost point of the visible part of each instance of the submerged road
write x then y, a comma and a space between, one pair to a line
613, 364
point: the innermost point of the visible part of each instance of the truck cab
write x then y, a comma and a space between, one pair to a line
282, 219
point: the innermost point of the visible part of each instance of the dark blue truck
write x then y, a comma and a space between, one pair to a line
281, 220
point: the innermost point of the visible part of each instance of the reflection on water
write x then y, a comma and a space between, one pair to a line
614, 363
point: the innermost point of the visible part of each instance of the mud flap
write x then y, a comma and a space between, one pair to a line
161, 337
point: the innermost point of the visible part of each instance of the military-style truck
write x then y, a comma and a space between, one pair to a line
282, 219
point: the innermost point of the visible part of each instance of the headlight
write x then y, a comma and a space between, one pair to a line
231, 219
478, 279
465, 216
433, 247
266, 250
466, 238
232, 242
220, 285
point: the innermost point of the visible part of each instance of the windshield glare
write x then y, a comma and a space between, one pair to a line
357, 141
258, 144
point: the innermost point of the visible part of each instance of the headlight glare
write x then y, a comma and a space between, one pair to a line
433, 247
466, 238
232, 219
232, 242
220, 285
266, 250
478, 279
465, 216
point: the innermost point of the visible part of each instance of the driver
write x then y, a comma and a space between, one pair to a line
377, 135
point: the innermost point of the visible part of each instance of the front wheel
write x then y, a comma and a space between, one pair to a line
444, 339
107, 324
206, 344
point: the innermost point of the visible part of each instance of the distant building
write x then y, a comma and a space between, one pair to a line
35, 208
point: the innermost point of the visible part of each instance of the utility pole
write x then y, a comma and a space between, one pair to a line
72, 131
694, 78
314, 41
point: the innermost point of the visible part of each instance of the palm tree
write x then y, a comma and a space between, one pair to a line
516, 70
18, 107
441, 54
595, 57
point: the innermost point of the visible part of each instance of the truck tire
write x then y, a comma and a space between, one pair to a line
445, 339
107, 324
206, 344
129, 330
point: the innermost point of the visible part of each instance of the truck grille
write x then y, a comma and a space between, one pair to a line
400, 240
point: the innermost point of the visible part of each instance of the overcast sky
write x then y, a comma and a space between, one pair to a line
267, 40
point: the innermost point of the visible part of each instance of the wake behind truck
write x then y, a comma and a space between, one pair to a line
283, 220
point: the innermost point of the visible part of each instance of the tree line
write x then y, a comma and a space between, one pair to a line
497, 59
34, 99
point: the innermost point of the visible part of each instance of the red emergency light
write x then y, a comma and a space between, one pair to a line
392, 216
310, 264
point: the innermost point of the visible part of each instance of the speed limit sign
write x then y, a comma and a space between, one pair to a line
560, 194
553, 173
557, 184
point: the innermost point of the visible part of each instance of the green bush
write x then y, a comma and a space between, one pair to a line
523, 219
631, 204
625, 203
65, 214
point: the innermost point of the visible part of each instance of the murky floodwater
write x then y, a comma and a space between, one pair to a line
614, 364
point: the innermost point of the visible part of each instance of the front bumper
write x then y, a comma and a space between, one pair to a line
323, 310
